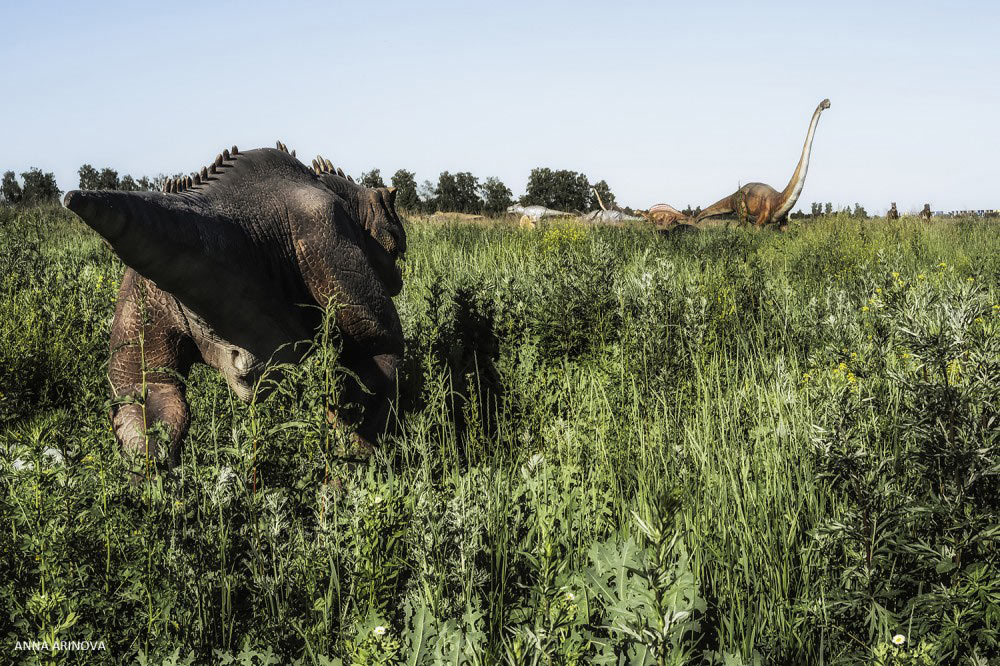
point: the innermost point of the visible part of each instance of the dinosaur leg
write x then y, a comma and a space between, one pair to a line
373, 391
147, 355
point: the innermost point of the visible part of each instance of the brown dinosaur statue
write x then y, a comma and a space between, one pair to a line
762, 204
222, 267
892, 213
925, 214
664, 215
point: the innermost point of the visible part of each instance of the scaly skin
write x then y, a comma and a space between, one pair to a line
761, 204
219, 269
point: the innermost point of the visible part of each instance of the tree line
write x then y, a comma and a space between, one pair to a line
460, 192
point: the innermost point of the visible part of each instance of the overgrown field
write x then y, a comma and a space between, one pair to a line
725, 447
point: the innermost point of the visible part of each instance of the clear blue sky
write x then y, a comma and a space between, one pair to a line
672, 102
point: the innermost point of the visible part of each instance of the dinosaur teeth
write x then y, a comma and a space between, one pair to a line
218, 160
225, 155
234, 151
204, 173
213, 169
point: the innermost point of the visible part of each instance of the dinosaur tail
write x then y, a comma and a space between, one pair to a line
165, 240
720, 207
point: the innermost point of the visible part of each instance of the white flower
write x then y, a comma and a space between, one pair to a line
379, 631
570, 596
899, 639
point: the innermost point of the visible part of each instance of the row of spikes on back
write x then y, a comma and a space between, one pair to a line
185, 183
322, 165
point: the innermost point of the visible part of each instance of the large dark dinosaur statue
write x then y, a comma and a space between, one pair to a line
219, 267
762, 204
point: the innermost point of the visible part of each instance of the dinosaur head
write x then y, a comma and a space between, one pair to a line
377, 210
825, 104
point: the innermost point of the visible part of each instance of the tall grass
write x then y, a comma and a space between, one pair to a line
615, 447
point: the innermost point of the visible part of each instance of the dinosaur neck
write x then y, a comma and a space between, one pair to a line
598, 195
790, 195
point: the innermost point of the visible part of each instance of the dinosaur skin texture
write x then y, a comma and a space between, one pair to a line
892, 213
221, 270
761, 204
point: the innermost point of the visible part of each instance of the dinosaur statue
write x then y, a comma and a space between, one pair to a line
219, 267
892, 213
664, 215
536, 213
605, 215
925, 214
761, 203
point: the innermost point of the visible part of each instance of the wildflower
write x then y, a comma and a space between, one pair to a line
970, 279
920, 277
806, 376
899, 639
895, 275
851, 379
864, 309
942, 265
905, 355
879, 290
379, 631
570, 596
980, 320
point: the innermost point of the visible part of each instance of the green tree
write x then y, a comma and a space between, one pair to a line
128, 184
860, 212
458, 193
372, 178
828, 208
10, 189
606, 196
559, 189
496, 196
467, 188
107, 179
406, 190
39, 186
88, 177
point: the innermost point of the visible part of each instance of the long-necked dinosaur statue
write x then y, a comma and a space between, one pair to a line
219, 267
892, 213
761, 204
606, 215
